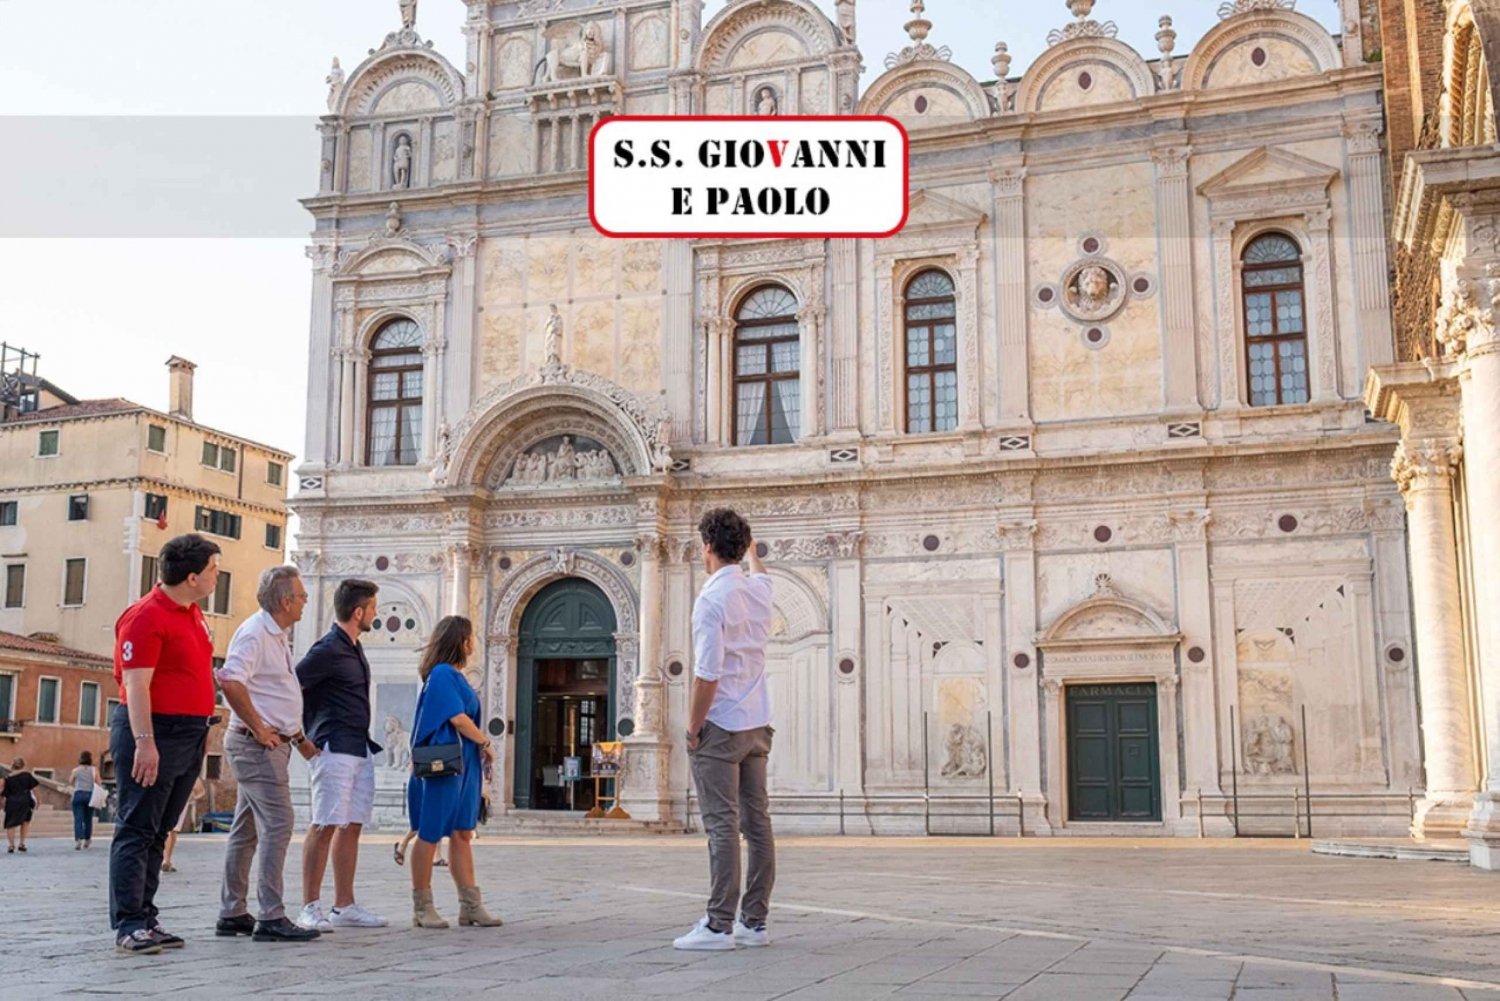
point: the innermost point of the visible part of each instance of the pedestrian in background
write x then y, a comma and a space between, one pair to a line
447, 805
20, 803
85, 777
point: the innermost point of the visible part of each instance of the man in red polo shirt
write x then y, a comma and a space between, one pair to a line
164, 667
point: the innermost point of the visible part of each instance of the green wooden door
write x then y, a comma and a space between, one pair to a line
570, 621
1114, 770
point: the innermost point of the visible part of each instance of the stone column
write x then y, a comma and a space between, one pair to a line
1013, 358
1175, 234
809, 326
457, 393
643, 792
970, 361
1199, 715
677, 337
323, 373
1424, 471
361, 405
848, 660
1325, 327
461, 555
345, 357
843, 332
1367, 203
1024, 754
1475, 303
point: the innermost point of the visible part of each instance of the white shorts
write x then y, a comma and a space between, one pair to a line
343, 789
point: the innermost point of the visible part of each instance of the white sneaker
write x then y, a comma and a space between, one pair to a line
355, 916
751, 937
313, 918
702, 938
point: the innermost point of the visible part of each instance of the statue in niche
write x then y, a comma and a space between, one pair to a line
845, 9
563, 465
765, 102
397, 745
1093, 293
966, 754
552, 336
401, 163
440, 457
408, 14
1268, 746
575, 51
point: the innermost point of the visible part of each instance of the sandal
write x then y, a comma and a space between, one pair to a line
441, 862
400, 855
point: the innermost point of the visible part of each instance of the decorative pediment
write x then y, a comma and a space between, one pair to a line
1085, 70
400, 78
1108, 618
389, 256
929, 212
1265, 179
1259, 42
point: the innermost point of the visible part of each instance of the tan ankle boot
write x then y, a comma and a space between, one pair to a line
471, 909
423, 914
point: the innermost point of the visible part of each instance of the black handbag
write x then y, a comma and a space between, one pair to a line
436, 761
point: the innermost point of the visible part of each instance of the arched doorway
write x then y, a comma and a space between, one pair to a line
565, 684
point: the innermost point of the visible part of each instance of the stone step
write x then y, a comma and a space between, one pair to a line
575, 823
1405, 849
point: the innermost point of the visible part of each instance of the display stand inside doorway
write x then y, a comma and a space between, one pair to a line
605, 767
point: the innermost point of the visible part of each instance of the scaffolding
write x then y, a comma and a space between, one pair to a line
18, 380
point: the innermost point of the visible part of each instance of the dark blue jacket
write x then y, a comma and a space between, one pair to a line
335, 680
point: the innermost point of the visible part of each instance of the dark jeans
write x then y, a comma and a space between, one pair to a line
83, 817
145, 815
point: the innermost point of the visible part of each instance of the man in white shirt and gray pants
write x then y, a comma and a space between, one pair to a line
265, 723
729, 734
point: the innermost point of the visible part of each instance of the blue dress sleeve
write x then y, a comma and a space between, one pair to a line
445, 696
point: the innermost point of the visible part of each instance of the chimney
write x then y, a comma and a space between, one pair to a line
180, 387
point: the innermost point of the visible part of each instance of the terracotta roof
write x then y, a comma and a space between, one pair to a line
15, 641
84, 408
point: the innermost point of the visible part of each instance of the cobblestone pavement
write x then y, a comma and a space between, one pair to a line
1025, 920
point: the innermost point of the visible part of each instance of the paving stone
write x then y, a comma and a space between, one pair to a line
853, 918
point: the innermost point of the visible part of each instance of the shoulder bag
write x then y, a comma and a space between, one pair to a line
435, 761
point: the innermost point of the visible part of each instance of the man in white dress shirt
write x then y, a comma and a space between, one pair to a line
265, 723
729, 734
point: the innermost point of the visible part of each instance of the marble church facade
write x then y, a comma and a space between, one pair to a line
1068, 490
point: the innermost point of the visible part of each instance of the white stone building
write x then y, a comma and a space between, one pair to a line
1068, 489
1444, 392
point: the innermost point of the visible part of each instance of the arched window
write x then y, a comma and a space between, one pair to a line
931, 354
767, 380
1275, 321
395, 419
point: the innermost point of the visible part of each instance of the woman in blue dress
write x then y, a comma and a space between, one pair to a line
448, 806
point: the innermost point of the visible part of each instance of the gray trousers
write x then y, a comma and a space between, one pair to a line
262, 818
729, 769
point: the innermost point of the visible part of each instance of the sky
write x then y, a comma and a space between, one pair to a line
156, 150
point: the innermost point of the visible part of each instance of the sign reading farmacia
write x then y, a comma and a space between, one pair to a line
748, 176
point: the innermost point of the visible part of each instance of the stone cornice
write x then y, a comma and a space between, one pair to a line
1429, 180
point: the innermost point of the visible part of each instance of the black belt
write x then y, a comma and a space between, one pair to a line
245, 731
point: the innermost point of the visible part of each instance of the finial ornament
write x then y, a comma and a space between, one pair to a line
1166, 42
408, 14
917, 29
335, 81
1082, 26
